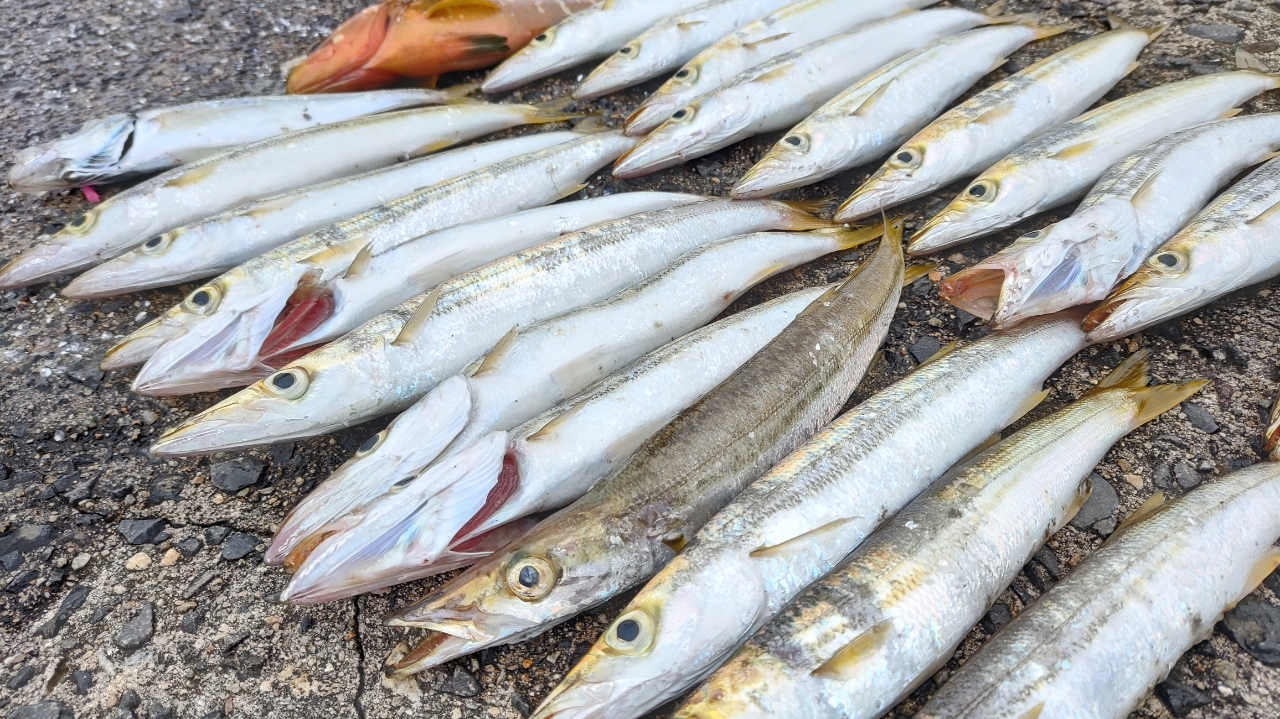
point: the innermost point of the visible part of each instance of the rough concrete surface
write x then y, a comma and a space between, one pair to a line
104, 613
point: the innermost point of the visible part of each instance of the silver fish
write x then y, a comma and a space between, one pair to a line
220, 243
585, 35
528, 372
1154, 589
671, 43
633, 522
1137, 206
1233, 243
870, 118
781, 92
122, 146
795, 523
787, 29
268, 167
978, 132
213, 338
1060, 165
859, 640
399, 356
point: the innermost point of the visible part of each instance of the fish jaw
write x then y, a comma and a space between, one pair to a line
706, 127
630, 65
548, 53
131, 272
44, 262
400, 451
993, 201
654, 111
1157, 292
797, 160
338, 64
565, 565
87, 155
908, 174
146, 340
730, 692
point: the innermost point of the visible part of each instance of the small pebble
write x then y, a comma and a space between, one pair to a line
80, 561
138, 562
170, 558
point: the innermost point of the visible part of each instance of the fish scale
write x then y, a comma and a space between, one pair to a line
631, 523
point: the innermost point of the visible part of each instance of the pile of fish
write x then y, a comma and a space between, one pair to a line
575, 422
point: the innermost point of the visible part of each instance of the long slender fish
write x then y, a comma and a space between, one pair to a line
261, 169
1137, 206
399, 356
587, 35
781, 92
213, 337
978, 132
633, 522
220, 243
118, 147
801, 518
870, 118
671, 43
1062, 164
530, 372
554, 458
1156, 588
859, 640
787, 29
1233, 243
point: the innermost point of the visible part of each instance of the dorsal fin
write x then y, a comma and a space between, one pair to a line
846, 661
1246, 60
192, 176
1074, 151
549, 429
361, 263
1154, 502
409, 333
1119, 23
689, 24
869, 104
1262, 569
1034, 712
461, 10
1143, 193
499, 351
1029, 404
995, 114
1265, 215
337, 253
915, 272
1271, 437
945, 350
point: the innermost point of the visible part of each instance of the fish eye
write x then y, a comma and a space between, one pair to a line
203, 301
632, 633
685, 114
982, 190
628, 50
688, 74
82, 223
545, 38
531, 578
371, 444
1033, 234
157, 244
289, 384
1168, 262
907, 157
799, 142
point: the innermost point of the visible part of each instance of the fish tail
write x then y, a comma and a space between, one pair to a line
1040, 24
1133, 375
1119, 23
804, 217
1159, 399
851, 237
459, 93
592, 123
552, 111
1271, 435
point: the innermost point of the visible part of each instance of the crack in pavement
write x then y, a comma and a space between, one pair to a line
358, 699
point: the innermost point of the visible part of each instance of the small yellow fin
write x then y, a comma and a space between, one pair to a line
591, 124
1265, 565
499, 351
676, 541
764, 41
915, 272
1246, 60
946, 349
851, 237
1082, 495
1119, 23
462, 10
548, 430
846, 661
799, 542
460, 93
409, 333
1265, 216
780, 72
1029, 404
1129, 374
1144, 193
688, 24
1271, 436
869, 104
1231, 113
1033, 712
361, 263
343, 252
1155, 401
995, 114
572, 190
1047, 31
552, 111
987, 443
1154, 502
193, 176
1128, 70
996, 9
1074, 151
804, 218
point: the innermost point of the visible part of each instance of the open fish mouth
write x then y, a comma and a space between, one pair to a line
46, 261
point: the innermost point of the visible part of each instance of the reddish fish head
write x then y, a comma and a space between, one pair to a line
338, 65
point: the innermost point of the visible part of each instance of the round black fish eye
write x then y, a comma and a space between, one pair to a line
626, 50
201, 298
529, 577
628, 630
541, 38
1167, 259
370, 443
793, 140
904, 156
1033, 234
680, 114
80, 221
284, 380
154, 242
977, 190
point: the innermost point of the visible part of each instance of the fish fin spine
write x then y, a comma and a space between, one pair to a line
552, 111
995, 114
499, 351
361, 263
851, 237
915, 272
773, 550
1271, 435
1076, 150
460, 92
1154, 502
1144, 192
409, 333
1029, 404
1262, 569
846, 661
946, 349
1119, 23
764, 40
591, 124
1265, 215
1246, 60
869, 104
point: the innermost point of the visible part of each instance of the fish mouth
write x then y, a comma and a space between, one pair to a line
976, 290
647, 118
576, 698
46, 261
769, 178
227, 425
1096, 321
599, 84
337, 65
112, 278
947, 229
874, 197
38, 169
435, 649
648, 157
141, 345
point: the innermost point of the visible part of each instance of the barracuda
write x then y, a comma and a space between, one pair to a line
399, 356
671, 43
1136, 207
122, 146
800, 519
1153, 590
586, 35
222, 242
534, 369
1233, 243
978, 132
781, 92
864, 122
212, 339
633, 522
1060, 165
268, 167
787, 29
860, 639
554, 458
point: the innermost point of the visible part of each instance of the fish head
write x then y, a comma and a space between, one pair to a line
801, 155
66, 251
326, 390
999, 198
629, 65
751, 685
339, 63
661, 640
674, 94
148, 339
1178, 277
701, 127
919, 166
384, 460
80, 158
552, 50
568, 563
151, 264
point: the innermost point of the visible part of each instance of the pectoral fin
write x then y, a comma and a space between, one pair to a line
799, 541
847, 661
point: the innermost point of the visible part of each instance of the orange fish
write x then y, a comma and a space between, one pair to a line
424, 38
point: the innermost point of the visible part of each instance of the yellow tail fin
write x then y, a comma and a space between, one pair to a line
1162, 398
552, 111
805, 215
460, 92
1119, 23
851, 237
915, 272
1271, 437
1131, 374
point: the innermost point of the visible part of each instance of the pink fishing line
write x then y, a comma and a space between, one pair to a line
91, 194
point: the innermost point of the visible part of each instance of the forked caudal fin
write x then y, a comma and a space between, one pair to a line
1133, 375
1271, 436
1119, 23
